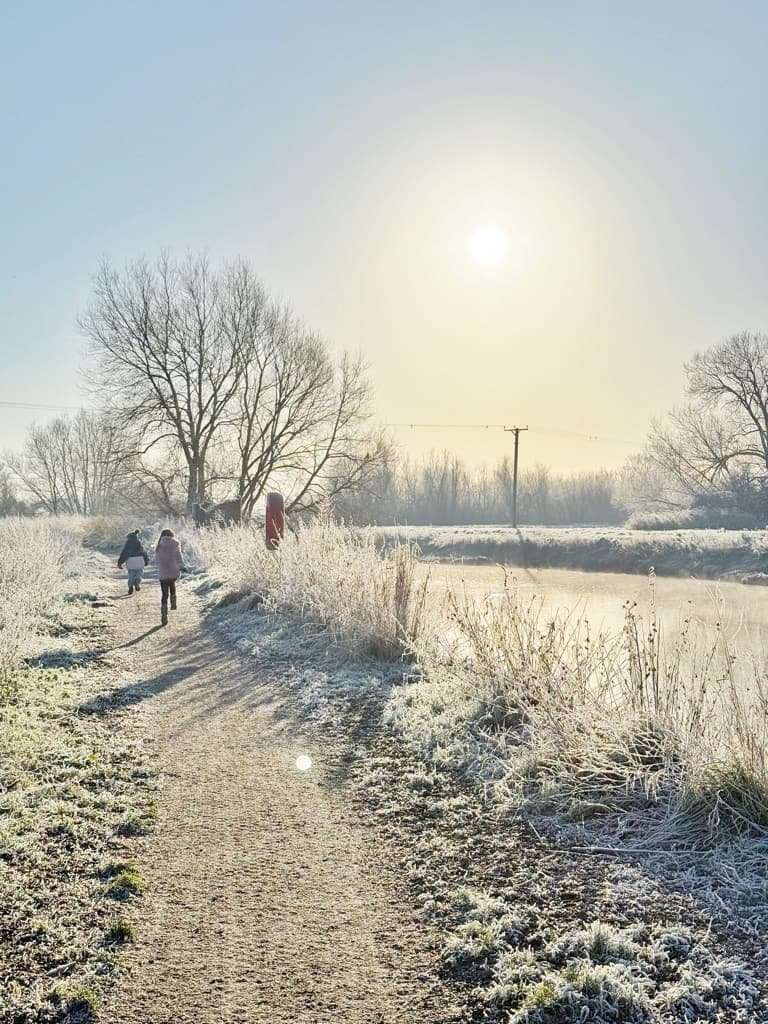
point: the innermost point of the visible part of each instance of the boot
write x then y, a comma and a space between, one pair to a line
163, 614
138, 587
130, 588
173, 604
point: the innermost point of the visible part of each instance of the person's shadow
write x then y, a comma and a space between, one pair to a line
138, 639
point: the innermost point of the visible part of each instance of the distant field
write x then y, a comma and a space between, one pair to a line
710, 554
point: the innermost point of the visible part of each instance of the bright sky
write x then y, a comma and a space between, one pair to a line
351, 149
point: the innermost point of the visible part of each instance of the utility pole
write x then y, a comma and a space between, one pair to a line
516, 432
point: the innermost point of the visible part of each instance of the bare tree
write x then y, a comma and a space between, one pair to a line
535, 492
301, 419
720, 438
77, 464
205, 363
166, 341
731, 381
10, 503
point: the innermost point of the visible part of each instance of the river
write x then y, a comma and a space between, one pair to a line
739, 611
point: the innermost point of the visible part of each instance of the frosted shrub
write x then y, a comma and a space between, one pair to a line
35, 555
335, 576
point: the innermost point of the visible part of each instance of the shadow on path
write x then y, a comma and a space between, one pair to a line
135, 693
138, 639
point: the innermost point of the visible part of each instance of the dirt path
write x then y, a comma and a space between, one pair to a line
266, 900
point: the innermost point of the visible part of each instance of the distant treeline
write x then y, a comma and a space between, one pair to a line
442, 490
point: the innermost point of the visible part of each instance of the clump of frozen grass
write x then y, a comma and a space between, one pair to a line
35, 557
366, 601
637, 974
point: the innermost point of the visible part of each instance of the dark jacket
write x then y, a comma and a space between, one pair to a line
131, 549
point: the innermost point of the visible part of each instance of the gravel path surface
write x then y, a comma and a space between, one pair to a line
266, 898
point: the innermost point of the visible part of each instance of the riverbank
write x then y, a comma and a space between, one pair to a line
738, 555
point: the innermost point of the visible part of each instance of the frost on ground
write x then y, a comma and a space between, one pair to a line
534, 932
73, 790
640, 974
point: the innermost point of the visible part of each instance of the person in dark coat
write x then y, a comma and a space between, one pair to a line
134, 558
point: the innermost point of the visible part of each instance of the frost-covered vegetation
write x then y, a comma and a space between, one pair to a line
703, 553
71, 786
631, 741
35, 558
636, 974
329, 576
511, 723
625, 742
67, 787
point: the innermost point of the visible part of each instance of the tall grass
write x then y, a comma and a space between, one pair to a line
324, 574
35, 557
639, 741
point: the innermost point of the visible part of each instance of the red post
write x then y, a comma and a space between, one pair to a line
275, 521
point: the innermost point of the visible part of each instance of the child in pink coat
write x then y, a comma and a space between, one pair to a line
169, 562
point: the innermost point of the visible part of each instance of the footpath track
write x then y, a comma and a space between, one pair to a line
266, 900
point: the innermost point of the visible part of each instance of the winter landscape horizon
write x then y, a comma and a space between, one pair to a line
383, 513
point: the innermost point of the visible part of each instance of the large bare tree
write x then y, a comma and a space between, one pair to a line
207, 364
166, 345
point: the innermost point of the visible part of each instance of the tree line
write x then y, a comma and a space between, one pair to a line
211, 392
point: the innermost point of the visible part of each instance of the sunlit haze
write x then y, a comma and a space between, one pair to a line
516, 213
488, 245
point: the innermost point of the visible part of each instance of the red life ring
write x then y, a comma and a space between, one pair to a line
275, 520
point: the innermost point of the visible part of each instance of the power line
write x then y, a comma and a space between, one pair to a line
407, 425
452, 426
39, 405
503, 426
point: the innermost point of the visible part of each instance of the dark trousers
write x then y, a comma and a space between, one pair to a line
168, 588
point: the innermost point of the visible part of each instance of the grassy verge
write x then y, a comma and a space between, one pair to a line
627, 741
708, 554
328, 576
68, 785
619, 744
71, 784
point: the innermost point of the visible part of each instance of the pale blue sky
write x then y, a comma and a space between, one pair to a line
349, 148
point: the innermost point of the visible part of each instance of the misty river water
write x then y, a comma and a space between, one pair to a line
740, 610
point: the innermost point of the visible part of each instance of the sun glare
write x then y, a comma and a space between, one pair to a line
303, 762
488, 245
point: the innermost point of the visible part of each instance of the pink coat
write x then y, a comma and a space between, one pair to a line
168, 558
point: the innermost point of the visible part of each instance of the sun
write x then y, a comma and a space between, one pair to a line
488, 245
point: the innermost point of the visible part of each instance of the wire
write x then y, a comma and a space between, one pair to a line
451, 426
503, 426
410, 426
39, 405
